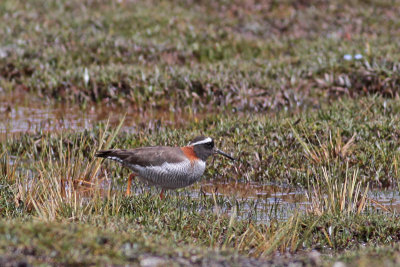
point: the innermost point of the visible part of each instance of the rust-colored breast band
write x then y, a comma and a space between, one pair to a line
189, 153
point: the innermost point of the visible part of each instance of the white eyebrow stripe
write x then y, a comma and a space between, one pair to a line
207, 140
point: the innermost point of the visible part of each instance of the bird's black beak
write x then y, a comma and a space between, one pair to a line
217, 151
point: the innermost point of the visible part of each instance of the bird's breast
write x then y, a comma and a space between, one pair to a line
172, 175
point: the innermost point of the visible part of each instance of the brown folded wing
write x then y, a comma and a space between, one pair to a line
144, 156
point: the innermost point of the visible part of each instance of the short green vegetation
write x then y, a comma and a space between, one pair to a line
305, 99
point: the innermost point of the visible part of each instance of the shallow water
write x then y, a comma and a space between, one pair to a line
266, 201
256, 201
260, 202
23, 113
385, 200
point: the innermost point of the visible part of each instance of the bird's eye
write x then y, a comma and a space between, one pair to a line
210, 145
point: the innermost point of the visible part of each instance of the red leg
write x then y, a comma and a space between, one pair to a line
162, 194
128, 189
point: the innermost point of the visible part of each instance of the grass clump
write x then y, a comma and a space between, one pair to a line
333, 196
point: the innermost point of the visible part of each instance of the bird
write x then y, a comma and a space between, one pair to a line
166, 167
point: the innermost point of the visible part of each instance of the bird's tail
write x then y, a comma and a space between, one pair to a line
113, 154
104, 153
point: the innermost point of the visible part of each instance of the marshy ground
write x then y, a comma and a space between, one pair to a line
303, 93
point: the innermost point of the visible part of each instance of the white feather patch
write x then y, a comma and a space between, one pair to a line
115, 158
205, 141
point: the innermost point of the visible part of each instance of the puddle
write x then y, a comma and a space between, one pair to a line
253, 191
23, 113
256, 201
249, 201
385, 200
267, 201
